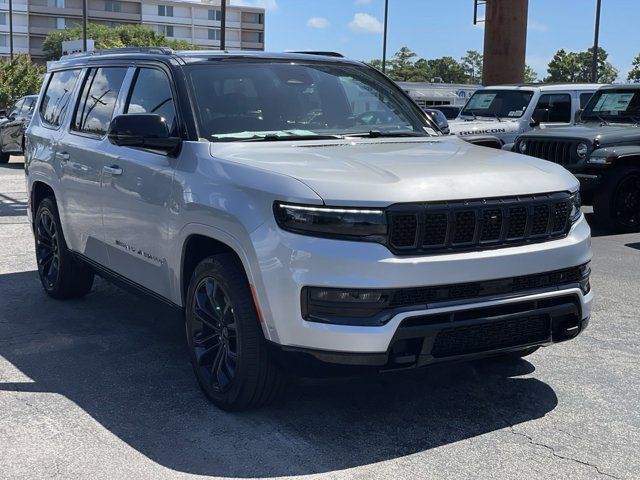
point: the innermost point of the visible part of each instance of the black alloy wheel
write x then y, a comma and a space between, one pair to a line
214, 335
626, 203
47, 248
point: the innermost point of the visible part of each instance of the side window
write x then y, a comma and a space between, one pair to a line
152, 94
98, 100
27, 106
56, 97
558, 107
584, 99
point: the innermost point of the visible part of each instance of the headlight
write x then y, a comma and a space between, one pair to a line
523, 146
576, 203
360, 223
582, 149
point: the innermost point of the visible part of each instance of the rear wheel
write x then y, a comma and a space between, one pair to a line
62, 275
228, 350
617, 205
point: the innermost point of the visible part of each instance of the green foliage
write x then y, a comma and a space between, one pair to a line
530, 75
576, 67
634, 73
19, 77
111, 37
473, 63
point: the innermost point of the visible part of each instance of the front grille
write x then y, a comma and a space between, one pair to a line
491, 336
463, 291
477, 224
557, 151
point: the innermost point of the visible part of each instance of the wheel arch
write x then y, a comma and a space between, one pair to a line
39, 191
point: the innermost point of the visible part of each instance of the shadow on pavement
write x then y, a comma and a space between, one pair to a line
13, 165
10, 206
122, 359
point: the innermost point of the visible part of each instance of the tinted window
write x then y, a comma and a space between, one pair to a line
558, 107
98, 100
56, 97
152, 94
27, 106
584, 99
501, 103
614, 105
245, 100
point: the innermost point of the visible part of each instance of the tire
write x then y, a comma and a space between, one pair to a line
616, 206
230, 343
4, 157
62, 275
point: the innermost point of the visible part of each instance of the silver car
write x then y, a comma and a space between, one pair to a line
304, 214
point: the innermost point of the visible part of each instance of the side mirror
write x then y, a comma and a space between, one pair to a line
578, 116
142, 130
539, 116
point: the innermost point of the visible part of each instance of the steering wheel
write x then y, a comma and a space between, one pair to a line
372, 117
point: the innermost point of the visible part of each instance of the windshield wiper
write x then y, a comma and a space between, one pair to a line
602, 120
497, 117
277, 138
378, 134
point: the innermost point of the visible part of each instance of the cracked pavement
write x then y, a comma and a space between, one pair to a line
101, 388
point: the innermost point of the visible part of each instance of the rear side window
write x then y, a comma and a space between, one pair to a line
584, 99
152, 94
56, 98
557, 105
98, 100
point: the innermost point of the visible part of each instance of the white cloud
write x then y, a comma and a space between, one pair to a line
539, 27
363, 22
317, 22
363, 2
268, 5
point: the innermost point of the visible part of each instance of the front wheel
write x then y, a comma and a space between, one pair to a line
228, 350
617, 205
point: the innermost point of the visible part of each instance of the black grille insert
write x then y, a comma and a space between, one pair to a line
477, 224
491, 336
562, 152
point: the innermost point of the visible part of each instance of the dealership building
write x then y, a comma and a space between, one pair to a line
197, 22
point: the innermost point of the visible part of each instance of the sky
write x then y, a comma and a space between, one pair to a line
436, 28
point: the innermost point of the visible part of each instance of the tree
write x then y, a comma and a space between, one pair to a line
19, 77
472, 63
448, 69
530, 75
110, 37
576, 67
634, 73
402, 65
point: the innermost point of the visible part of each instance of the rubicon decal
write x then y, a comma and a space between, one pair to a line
486, 130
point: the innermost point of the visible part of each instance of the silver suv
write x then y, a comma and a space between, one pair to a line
302, 211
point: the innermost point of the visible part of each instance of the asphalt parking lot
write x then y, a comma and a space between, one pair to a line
101, 388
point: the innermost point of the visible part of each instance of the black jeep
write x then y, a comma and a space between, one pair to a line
602, 151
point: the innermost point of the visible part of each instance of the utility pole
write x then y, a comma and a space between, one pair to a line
84, 25
594, 67
384, 40
11, 28
223, 25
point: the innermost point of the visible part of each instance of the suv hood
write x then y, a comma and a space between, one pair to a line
612, 134
380, 172
466, 128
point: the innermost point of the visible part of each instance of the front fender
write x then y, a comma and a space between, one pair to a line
613, 154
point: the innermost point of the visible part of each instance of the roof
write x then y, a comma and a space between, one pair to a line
625, 86
187, 56
547, 87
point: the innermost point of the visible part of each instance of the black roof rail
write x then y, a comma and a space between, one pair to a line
319, 52
107, 51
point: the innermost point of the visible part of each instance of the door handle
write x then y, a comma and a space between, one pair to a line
62, 156
114, 170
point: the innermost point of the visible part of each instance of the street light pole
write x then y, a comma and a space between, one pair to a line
84, 25
384, 40
11, 28
594, 67
223, 25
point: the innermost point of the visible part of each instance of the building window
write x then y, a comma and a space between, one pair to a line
60, 23
3, 18
166, 30
112, 6
253, 37
165, 11
214, 34
55, 3
248, 17
215, 15
3, 40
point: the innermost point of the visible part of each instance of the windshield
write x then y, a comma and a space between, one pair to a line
271, 100
500, 103
614, 106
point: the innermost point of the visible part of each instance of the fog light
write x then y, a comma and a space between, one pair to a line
585, 273
345, 306
348, 296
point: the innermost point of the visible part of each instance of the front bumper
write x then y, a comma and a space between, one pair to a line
288, 262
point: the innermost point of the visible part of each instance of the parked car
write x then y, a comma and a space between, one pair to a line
262, 195
495, 116
450, 111
603, 152
439, 119
13, 127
